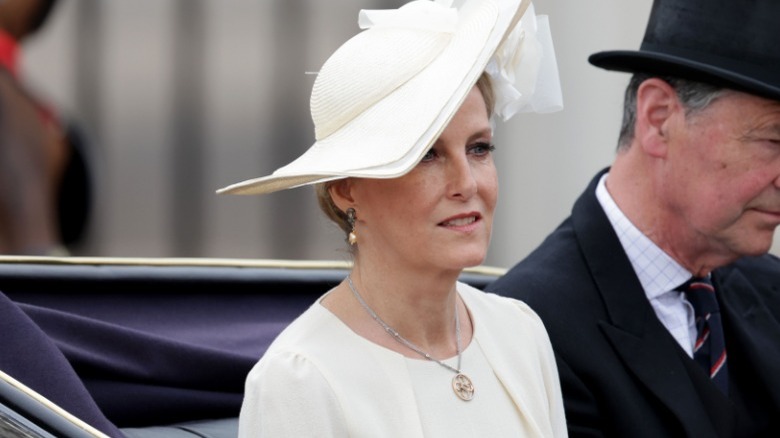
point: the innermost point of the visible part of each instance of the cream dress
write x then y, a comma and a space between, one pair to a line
321, 379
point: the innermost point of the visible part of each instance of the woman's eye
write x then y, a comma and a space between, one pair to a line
482, 149
429, 156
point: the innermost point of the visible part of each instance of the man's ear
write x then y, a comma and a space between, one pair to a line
656, 106
341, 193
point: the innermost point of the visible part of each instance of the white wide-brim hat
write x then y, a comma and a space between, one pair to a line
384, 97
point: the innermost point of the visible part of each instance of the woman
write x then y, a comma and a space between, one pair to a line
403, 163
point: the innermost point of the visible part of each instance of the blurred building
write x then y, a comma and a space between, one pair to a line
181, 97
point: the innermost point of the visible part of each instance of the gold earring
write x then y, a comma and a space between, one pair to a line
352, 238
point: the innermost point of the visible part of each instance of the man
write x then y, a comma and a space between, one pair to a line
690, 203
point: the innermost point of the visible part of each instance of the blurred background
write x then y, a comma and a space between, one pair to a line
176, 98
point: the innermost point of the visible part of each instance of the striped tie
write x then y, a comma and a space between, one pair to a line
710, 348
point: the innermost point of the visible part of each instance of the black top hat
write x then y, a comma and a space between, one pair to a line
729, 43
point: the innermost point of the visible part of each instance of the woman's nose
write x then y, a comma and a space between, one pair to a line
462, 182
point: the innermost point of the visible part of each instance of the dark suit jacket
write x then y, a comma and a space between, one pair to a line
622, 373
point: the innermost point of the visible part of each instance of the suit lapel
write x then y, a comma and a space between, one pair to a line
632, 327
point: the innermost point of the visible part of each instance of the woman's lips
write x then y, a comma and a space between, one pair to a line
462, 221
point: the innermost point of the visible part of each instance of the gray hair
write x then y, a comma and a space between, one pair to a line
694, 96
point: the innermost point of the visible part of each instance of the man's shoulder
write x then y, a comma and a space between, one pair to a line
768, 264
762, 272
553, 263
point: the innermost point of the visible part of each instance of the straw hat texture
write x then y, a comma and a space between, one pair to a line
384, 97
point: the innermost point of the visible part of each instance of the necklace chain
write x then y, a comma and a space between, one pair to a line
397, 336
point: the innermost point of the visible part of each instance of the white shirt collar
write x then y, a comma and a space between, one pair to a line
657, 271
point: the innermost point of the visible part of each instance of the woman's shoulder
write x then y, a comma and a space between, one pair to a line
290, 379
495, 302
300, 346
487, 307
306, 331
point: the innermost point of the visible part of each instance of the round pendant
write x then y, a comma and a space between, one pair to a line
463, 387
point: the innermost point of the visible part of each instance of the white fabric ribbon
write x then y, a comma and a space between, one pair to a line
524, 70
436, 15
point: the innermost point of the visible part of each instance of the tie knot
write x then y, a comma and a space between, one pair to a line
701, 295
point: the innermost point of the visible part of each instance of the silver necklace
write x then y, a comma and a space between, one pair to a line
461, 383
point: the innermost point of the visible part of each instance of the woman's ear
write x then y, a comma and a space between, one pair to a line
341, 193
657, 105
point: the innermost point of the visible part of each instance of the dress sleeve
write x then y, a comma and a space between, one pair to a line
287, 396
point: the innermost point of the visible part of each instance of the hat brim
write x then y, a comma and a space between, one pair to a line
750, 78
388, 139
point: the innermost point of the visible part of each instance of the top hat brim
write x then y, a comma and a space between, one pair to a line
741, 76
728, 74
